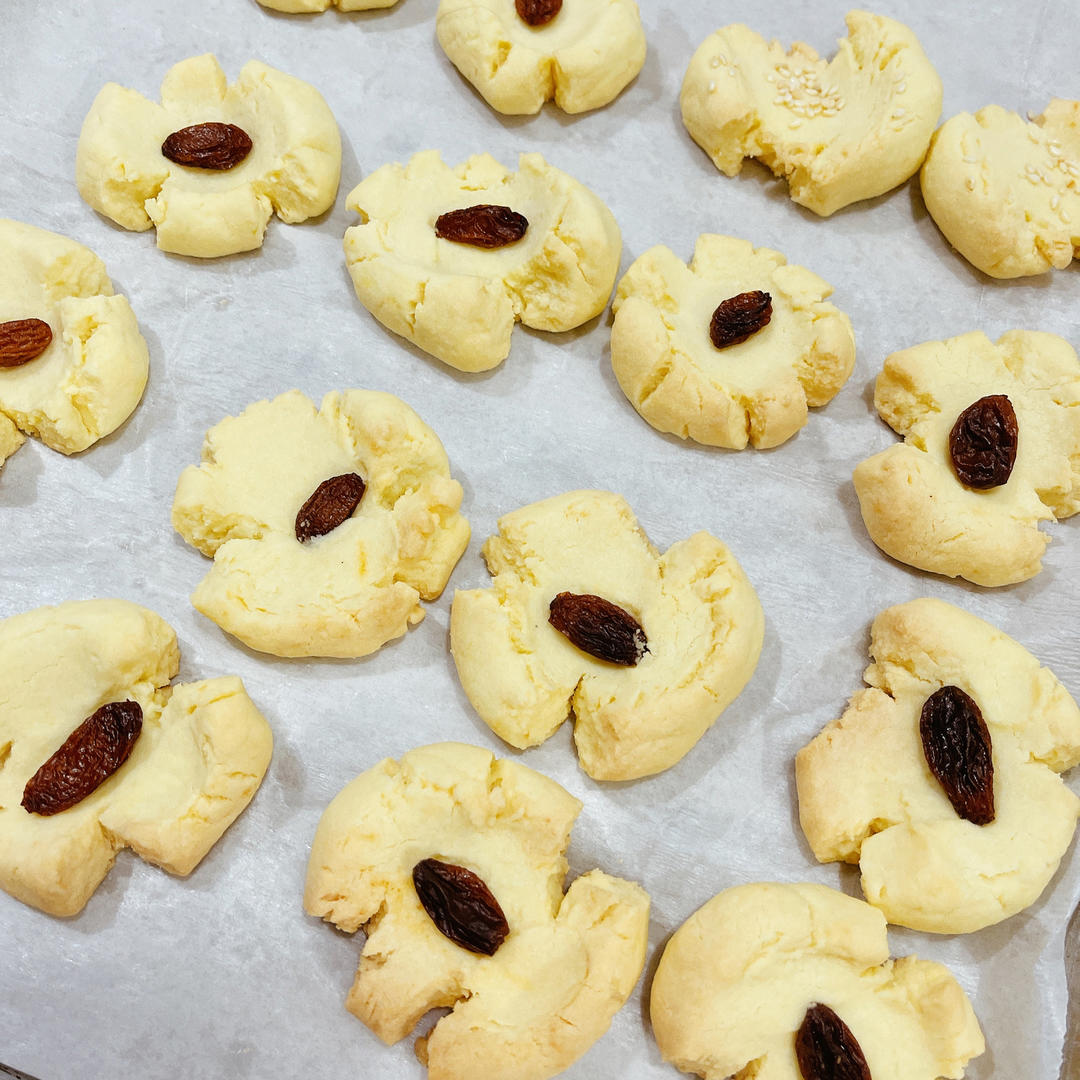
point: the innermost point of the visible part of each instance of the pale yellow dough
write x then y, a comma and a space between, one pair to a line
583, 58
701, 616
915, 508
91, 377
838, 131
458, 302
350, 591
866, 793
1006, 193
304, 6
566, 967
293, 168
198, 760
735, 981
754, 392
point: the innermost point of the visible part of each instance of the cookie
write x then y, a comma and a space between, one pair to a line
838, 132
303, 6
581, 53
211, 163
73, 364
196, 752
763, 977
964, 493
451, 259
948, 848
453, 863
1006, 193
326, 526
643, 691
730, 350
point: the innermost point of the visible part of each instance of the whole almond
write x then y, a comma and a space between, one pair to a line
23, 340
331, 504
208, 146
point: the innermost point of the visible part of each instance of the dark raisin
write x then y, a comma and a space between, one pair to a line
740, 317
956, 742
484, 226
982, 443
827, 1050
538, 12
460, 905
599, 627
332, 503
208, 146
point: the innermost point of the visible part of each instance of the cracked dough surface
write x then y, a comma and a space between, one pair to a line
837, 131
303, 6
458, 302
569, 962
350, 591
915, 508
583, 58
292, 169
701, 616
756, 391
1006, 193
867, 795
198, 760
736, 979
92, 375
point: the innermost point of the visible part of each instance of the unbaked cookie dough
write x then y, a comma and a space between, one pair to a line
701, 622
195, 764
292, 168
838, 131
567, 963
457, 301
582, 57
867, 793
347, 590
752, 391
737, 980
916, 508
92, 372
1006, 193
304, 6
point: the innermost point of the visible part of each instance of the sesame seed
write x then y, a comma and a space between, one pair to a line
899, 114
1055, 202
712, 88
795, 124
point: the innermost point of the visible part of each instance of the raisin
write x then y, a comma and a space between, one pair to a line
88, 757
740, 317
599, 627
982, 443
332, 503
23, 340
208, 146
483, 225
460, 905
957, 746
538, 12
826, 1049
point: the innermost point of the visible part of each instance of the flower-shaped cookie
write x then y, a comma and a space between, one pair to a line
934, 501
956, 822
521, 53
453, 862
79, 683
211, 163
72, 361
298, 6
766, 978
452, 258
1006, 193
755, 385
838, 132
644, 681
326, 527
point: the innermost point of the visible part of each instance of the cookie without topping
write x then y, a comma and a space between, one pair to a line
867, 793
568, 963
292, 169
583, 57
1006, 193
737, 979
459, 302
756, 391
91, 375
344, 591
199, 758
701, 619
837, 131
916, 508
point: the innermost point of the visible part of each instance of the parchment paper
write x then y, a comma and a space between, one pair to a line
222, 974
